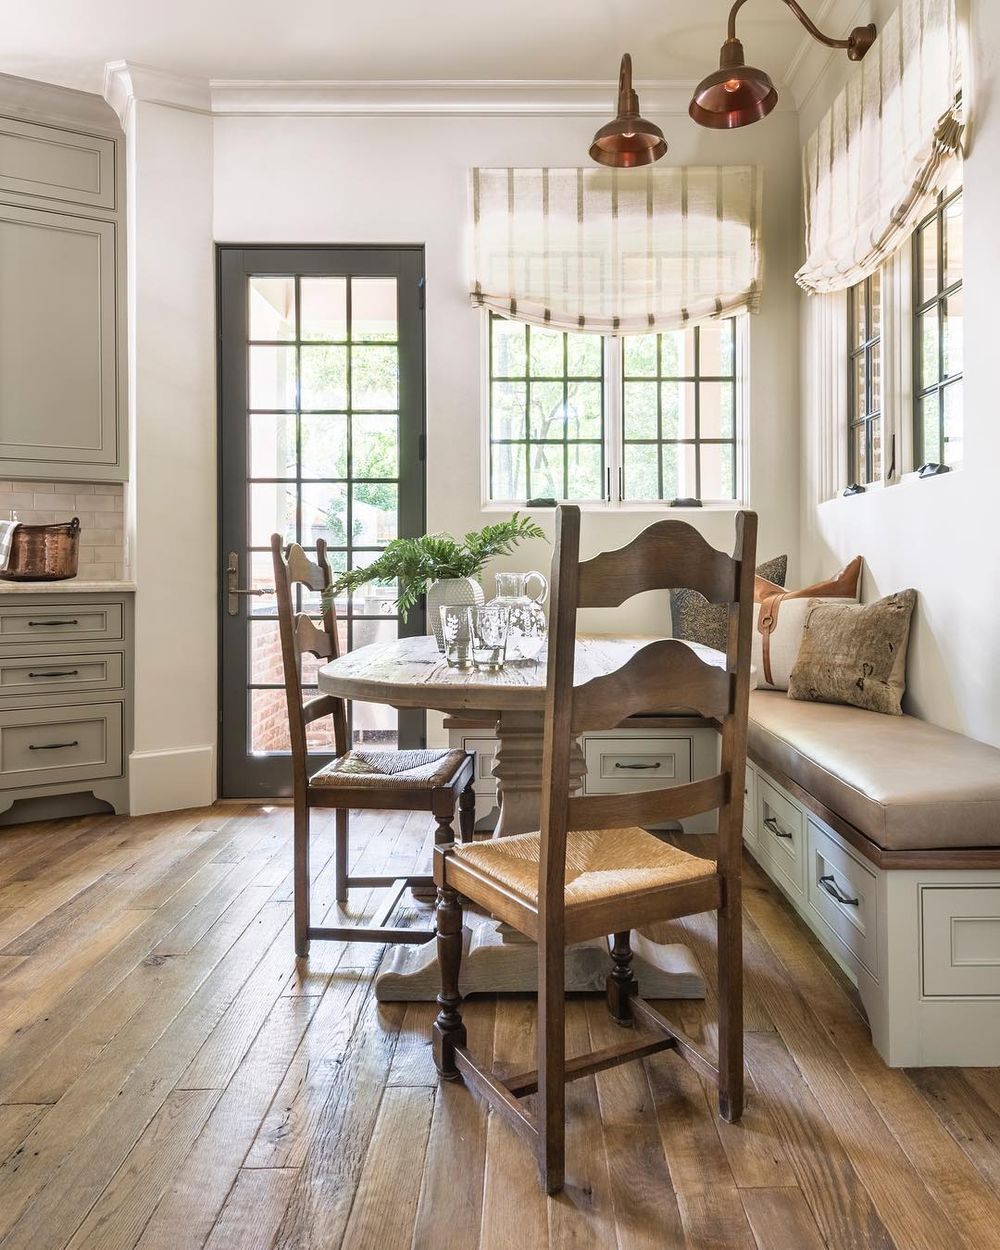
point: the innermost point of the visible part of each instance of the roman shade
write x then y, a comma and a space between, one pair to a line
616, 251
886, 147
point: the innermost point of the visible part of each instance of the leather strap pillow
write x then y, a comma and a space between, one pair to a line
781, 616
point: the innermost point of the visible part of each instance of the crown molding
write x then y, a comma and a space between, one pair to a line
579, 98
30, 100
125, 82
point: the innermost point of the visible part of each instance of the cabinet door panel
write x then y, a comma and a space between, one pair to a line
47, 163
58, 360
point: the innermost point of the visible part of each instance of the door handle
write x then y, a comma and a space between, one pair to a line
776, 829
234, 591
834, 891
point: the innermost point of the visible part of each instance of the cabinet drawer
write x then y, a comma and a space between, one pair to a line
960, 941
45, 746
73, 674
483, 749
844, 894
781, 831
58, 622
623, 764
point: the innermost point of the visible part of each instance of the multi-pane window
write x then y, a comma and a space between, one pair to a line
546, 413
679, 414
864, 311
631, 419
937, 300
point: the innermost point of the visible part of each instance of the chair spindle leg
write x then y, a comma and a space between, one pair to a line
730, 922
300, 876
341, 853
467, 813
621, 984
449, 1031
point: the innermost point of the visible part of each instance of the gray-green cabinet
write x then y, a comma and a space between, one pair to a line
62, 307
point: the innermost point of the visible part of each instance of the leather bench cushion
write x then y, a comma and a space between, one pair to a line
904, 783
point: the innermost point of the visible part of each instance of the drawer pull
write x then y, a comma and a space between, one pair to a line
51, 746
637, 766
835, 893
74, 621
57, 672
776, 829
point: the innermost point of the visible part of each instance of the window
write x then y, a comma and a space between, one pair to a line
864, 389
635, 419
937, 353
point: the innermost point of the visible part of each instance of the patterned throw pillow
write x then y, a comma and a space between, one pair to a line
696, 620
855, 653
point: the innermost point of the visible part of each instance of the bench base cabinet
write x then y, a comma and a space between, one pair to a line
65, 703
922, 945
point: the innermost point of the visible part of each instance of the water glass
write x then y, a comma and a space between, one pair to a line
489, 623
456, 630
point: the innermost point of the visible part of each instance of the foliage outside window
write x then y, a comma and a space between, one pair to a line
864, 313
630, 419
937, 296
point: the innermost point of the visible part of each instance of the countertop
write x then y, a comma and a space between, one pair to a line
71, 586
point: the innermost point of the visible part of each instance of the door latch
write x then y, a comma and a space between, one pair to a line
234, 590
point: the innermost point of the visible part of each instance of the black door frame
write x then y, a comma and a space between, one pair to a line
270, 775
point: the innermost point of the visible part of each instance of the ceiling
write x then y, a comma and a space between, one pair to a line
68, 42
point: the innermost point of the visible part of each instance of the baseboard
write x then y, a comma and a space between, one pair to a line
164, 781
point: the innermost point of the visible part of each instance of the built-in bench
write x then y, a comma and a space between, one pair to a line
884, 833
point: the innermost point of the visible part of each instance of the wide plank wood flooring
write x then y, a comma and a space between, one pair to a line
170, 1079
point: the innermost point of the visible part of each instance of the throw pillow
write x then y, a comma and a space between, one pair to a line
694, 619
855, 653
778, 627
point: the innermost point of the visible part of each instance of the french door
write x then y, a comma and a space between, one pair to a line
321, 435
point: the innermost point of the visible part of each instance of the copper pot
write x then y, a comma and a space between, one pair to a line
43, 553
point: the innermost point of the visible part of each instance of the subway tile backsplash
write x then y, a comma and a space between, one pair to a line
100, 507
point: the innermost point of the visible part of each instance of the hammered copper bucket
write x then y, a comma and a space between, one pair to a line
43, 553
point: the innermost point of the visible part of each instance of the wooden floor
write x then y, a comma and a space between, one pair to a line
170, 1080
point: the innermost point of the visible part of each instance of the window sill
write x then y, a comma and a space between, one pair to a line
652, 507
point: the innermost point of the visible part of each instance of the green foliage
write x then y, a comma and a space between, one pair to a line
413, 563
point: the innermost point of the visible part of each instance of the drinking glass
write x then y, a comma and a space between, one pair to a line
455, 627
489, 624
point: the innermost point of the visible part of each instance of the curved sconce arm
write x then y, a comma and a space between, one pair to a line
857, 43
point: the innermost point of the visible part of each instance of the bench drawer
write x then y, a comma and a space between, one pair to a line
782, 835
61, 622
616, 765
844, 894
46, 746
960, 941
72, 674
750, 806
484, 750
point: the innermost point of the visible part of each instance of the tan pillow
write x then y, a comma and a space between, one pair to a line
780, 616
855, 653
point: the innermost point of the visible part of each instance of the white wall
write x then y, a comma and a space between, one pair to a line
938, 535
172, 502
404, 180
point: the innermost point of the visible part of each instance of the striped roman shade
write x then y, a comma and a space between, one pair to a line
616, 251
885, 148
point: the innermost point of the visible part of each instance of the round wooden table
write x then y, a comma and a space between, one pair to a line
412, 673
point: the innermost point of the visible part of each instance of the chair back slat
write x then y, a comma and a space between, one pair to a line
301, 635
666, 675
667, 556
647, 807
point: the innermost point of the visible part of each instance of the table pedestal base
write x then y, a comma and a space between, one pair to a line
491, 965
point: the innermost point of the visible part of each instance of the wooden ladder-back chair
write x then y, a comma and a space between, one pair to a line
415, 781
594, 869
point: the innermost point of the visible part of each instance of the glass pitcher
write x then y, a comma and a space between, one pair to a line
528, 628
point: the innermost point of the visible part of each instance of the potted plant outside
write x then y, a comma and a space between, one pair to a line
446, 569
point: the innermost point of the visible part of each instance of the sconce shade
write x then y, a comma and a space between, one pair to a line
736, 95
630, 140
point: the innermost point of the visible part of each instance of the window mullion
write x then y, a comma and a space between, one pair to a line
614, 410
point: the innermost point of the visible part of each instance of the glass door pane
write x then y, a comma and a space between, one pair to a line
330, 416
